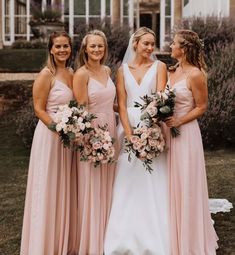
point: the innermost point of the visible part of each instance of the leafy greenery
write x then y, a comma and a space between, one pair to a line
22, 60
23, 44
50, 15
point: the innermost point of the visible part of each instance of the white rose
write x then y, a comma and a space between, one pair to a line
58, 127
88, 124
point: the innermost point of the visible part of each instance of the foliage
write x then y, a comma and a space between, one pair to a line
50, 15
22, 60
26, 122
23, 118
23, 44
218, 122
212, 30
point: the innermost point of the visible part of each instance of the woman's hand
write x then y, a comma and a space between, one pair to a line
173, 122
128, 137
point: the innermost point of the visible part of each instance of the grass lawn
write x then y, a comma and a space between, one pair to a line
13, 175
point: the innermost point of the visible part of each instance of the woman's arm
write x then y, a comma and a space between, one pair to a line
161, 76
41, 89
198, 86
80, 80
121, 98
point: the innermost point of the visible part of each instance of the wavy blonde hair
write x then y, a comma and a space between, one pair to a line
192, 45
139, 33
82, 57
50, 64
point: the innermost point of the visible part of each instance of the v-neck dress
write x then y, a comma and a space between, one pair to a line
138, 223
192, 231
95, 184
47, 204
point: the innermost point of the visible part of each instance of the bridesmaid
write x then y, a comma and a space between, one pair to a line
46, 215
92, 86
192, 231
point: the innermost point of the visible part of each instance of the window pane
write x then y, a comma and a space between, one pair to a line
186, 2
79, 7
125, 7
168, 8
107, 7
20, 25
94, 7
7, 7
168, 26
79, 21
66, 7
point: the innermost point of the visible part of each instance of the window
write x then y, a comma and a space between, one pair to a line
186, 2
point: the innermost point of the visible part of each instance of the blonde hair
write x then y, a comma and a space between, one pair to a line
82, 57
51, 65
192, 45
139, 33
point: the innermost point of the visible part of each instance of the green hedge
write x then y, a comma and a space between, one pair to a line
22, 60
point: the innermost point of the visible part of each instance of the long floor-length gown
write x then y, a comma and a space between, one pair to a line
95, 184
192, 232
138, 223
47, 206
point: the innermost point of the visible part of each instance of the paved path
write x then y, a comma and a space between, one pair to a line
17, 76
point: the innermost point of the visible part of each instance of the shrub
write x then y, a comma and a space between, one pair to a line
50, 15
212, 30
23, 44
22, 60
218, 122
26, 122
18, 97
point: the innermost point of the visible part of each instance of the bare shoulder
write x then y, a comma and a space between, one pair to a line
162, 65
197, 78
71, 71
45, 72
197, 75
120, 70
44, 77
107, 68
82, 73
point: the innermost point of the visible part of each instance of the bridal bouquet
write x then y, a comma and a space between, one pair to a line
98, 147
72, 122
158, 107
146, 143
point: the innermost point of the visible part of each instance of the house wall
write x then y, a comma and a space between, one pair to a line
203, 8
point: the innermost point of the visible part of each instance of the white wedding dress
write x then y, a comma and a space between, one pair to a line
138, 223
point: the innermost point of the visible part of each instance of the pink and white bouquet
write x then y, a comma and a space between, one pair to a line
158, 107
146, 143
98, 147
72, 122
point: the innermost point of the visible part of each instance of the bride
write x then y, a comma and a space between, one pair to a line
138, 223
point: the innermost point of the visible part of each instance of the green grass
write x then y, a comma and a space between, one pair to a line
13, 176
221, 182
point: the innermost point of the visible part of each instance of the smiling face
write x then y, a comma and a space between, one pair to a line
176, 50
95, 48
145, 46
61, 49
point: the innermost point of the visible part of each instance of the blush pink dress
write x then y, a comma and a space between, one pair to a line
47, 205
95, 185
192, 231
